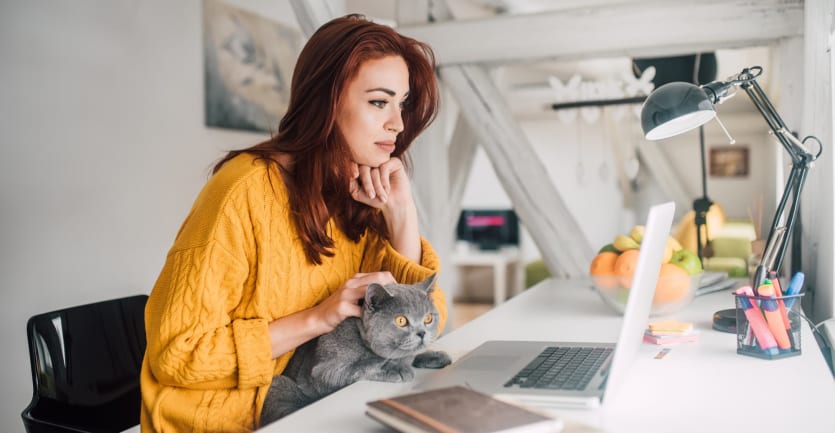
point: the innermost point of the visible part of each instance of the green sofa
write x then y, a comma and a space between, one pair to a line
731, 248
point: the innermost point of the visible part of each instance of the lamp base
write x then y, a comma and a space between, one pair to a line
725, 320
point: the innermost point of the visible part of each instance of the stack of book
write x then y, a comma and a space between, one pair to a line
665, 332
457, 409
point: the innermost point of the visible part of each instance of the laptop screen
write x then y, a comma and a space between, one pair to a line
638, 305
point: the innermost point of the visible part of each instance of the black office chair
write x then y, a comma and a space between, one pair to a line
85, 367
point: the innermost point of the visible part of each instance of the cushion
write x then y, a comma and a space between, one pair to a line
734, 266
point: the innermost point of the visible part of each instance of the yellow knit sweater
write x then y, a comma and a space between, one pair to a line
236, 265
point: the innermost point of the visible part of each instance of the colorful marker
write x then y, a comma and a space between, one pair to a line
794, 288
759, 277
756, 321
778, 293
773, 317
784, 312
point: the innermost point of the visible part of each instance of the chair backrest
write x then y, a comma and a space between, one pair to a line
85, 367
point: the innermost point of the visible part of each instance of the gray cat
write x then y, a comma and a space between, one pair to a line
398, 322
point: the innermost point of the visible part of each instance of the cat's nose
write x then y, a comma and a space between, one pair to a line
421, 334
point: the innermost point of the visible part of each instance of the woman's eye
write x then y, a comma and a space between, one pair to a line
378, 103
427, 319
401, 321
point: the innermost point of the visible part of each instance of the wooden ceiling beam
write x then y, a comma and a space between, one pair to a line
644, 29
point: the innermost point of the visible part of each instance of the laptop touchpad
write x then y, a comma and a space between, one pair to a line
487, 362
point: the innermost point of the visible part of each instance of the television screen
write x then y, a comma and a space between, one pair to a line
489, 229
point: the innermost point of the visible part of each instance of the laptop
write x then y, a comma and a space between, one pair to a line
581, 374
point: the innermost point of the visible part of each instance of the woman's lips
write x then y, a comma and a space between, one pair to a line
388, 146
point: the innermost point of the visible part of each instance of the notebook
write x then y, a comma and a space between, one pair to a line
511, 370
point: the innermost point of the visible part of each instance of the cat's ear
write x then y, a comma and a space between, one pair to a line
428, 284
375, 295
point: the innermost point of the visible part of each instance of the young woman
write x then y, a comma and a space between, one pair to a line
283, 240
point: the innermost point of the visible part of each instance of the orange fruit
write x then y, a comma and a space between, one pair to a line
602, 269
625, 266
673, 283
603, 263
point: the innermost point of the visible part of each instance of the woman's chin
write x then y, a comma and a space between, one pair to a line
375, 162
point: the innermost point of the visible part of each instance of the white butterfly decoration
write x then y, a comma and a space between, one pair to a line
577, 90
566, 92
642, 85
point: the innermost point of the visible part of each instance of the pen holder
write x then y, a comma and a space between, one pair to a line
768, 327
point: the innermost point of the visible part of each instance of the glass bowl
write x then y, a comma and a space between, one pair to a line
672, 292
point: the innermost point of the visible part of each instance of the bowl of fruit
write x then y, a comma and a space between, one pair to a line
612, 269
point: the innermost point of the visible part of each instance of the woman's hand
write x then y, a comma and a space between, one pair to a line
388, 188
380, 187
344, 303
289, 332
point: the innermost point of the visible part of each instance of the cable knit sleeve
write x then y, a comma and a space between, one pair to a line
198, 335
193, 342
381, 256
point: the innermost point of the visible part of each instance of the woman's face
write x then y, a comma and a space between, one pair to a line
369, 114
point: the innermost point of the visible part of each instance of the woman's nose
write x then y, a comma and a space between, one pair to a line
395, 123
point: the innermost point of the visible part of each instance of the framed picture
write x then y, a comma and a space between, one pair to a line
248, 64
729, 161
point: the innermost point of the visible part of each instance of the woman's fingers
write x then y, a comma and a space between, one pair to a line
354, 289
366, 181
378, 186
362, 280
349, 309
379, 189
345, 302
387, 169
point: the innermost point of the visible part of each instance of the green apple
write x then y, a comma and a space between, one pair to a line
687, 260
608, 247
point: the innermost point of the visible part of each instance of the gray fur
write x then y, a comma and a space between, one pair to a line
371, 347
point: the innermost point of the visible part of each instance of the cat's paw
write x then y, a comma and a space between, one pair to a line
397, 373
432, 359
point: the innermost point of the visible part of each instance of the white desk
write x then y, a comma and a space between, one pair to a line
500, 260
697, 387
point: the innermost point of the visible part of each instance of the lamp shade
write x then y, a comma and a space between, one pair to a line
675, 108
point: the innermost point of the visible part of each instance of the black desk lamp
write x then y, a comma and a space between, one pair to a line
675, 108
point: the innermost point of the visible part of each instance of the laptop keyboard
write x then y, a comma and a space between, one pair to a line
569, 368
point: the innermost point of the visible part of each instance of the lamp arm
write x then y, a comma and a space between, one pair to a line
781, 226
786, 214
778, 128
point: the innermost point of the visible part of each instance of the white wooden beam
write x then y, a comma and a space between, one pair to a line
541, 209
818, 215
430, 186
653, 28
312, 14
462, 151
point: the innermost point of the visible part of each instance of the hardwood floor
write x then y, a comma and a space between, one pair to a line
463, 312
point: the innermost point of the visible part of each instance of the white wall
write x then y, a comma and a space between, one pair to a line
103, 151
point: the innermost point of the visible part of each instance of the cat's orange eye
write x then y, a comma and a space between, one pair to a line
401, 321
427, 319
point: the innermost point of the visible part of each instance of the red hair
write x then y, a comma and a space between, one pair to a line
318, 181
